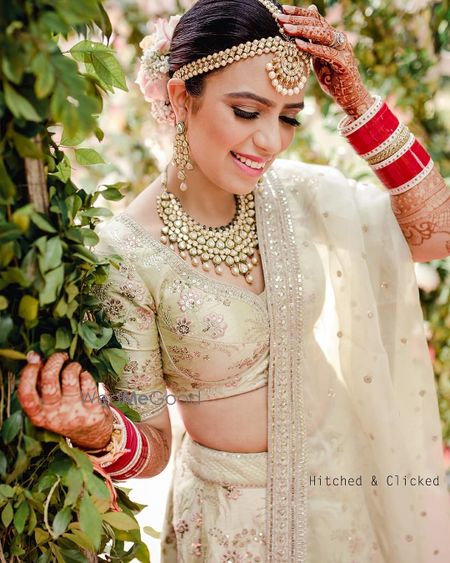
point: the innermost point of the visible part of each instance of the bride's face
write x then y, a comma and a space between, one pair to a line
240, 126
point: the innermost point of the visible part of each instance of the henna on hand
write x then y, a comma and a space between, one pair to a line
72, 408
423, 214
335, 68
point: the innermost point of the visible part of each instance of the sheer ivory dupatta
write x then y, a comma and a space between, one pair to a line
351, 387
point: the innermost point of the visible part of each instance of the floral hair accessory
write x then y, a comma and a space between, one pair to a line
153, 73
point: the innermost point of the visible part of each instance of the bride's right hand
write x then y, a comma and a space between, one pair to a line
72, 408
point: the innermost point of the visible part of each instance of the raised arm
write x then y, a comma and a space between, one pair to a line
420, 198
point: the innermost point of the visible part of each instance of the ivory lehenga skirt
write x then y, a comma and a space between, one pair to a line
216, 509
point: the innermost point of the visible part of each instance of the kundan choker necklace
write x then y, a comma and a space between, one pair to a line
233, 245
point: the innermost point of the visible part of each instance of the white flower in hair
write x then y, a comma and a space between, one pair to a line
153, 73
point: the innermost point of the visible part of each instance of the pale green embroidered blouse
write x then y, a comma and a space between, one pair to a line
185, 332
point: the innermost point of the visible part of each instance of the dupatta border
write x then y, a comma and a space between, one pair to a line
287, 488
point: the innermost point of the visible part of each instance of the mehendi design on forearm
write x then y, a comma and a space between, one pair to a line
159, 450
423, 212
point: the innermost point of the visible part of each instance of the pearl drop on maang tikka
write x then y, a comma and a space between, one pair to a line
233, 245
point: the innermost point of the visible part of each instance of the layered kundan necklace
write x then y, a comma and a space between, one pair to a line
233, 245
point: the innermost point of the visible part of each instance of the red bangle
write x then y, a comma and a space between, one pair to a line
372, 131
399, 161
400, 170
131, 463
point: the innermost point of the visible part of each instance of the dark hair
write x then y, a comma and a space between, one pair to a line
211, 26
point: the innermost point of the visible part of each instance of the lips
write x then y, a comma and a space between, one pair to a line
255, 163
248, 170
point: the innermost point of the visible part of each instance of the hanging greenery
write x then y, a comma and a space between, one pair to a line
53, 79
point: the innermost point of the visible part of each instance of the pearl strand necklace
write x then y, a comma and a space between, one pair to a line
234, 244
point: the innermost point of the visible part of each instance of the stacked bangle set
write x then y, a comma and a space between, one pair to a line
388, 146
134, 445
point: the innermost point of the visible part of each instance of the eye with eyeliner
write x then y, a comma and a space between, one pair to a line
254, 114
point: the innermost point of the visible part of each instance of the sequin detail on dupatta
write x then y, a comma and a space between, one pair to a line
287, 454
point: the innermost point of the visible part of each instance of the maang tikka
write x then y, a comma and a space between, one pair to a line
181, 154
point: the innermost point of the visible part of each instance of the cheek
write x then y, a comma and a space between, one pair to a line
287, 136
213, 138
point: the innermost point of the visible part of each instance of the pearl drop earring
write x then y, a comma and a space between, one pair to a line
181, 154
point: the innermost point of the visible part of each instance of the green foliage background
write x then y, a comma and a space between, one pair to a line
53, 80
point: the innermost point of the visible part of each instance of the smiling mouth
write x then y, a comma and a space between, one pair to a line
250, 163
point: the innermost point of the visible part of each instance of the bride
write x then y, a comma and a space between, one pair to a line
277, 301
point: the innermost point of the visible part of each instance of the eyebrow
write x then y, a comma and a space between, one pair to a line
262, 100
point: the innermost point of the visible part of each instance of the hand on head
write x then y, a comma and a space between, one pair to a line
69, 405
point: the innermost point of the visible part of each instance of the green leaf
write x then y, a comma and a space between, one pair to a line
73, 556
7, 187
94, 336
5, 490
53, 283
102, 60
47, 343
73, 140
142, 554
11, 427
97, 487
117, 358
12, 354
64, 170
61, 521
41, 536
3, 467
152, 532
22, 463
43, 224
112, 194
45, 75
80, 539
90, 520
97, 212
109, 70
26, 147
52, 255
7, 515
32, 446
46, 482
21, 516
90, 237
88, 157
28, 308
57, 553
63, 338
74, 482
19, 106
120, 520
32, 522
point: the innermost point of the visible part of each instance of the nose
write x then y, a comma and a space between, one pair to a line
268, 138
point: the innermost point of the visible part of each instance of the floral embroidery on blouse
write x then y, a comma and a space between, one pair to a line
144, 318
215, 327
114, 309
250, 361
190, 299
182, 326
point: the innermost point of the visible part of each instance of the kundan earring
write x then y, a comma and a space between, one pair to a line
181, 155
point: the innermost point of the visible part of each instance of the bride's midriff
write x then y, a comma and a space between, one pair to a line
232, 424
